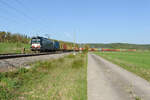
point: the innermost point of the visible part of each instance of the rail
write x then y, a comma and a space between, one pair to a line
9, 56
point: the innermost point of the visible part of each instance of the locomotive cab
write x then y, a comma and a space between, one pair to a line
36, 44
42, 44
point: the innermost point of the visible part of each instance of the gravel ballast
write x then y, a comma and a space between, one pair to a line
11, 64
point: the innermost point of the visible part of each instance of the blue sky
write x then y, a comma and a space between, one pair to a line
93, 21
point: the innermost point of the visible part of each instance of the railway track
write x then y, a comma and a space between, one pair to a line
9, 56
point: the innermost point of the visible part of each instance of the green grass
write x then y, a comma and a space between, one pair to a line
136, 62
13, 47
61, 79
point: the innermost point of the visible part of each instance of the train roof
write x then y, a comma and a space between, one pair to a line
37, 37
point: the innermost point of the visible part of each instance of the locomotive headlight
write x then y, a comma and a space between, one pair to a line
38, 46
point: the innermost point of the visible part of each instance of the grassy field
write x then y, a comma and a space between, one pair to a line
13, 47
136, 62
61, 79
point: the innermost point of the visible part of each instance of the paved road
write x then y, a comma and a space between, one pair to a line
107, 81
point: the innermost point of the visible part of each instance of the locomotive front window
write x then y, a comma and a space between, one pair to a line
35, 40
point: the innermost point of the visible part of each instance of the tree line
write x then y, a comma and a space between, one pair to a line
13, 38
120, 46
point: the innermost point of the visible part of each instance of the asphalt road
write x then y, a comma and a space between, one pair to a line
107, 81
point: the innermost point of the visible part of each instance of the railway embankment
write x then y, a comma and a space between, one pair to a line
12, 64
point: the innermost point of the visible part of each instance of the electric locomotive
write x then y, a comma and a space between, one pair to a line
44, 45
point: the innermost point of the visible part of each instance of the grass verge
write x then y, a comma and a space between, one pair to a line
136, 62
13, 47
61, 79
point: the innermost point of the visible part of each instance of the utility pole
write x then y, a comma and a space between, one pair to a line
74, 53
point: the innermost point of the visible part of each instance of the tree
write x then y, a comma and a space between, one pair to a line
2, 36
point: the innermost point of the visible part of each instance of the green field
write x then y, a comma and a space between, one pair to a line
13, 47
136, 62
61, 79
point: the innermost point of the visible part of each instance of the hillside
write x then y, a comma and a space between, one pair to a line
119, 46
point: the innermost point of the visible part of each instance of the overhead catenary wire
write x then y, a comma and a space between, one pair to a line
23, 14
20, 3
11, 19
31, 19
7, 18
27, 9
18, 11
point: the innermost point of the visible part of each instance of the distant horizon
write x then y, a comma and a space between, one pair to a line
87, 42
114, 43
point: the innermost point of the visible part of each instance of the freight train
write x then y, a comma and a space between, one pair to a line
46, 45
42, 44
112, 50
